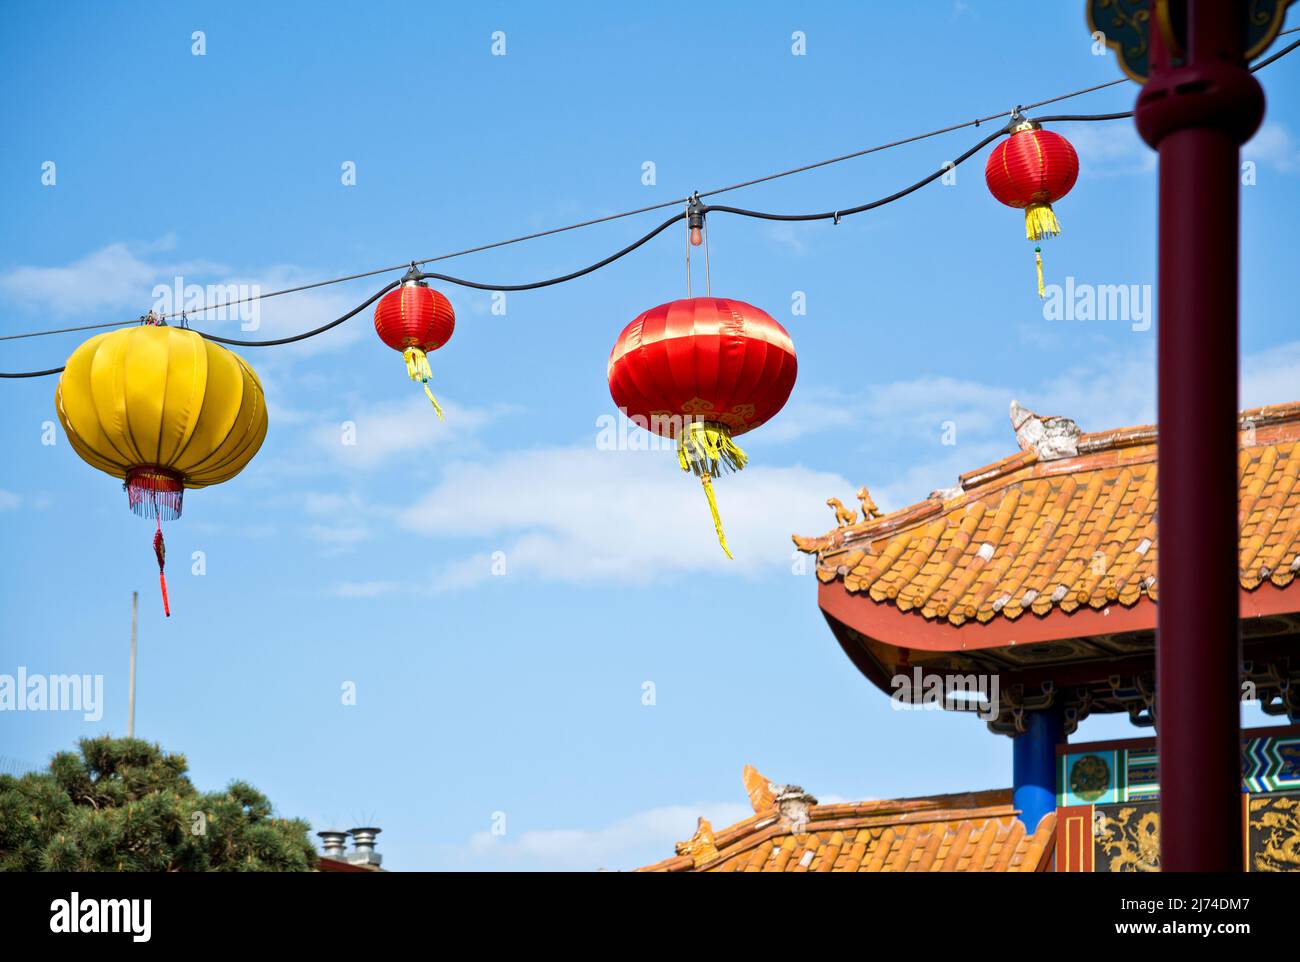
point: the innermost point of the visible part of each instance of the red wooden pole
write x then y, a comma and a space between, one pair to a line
1197, 115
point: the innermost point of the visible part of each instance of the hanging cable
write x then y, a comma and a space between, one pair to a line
694, 215
870, 205
53, 370
693, 201
534, 285
595, 220
305, 334
670, 203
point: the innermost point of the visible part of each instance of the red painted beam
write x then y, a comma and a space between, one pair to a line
910, 629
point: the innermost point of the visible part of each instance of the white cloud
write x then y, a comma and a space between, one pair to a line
1111, 149
1271, 377
790, 238
117, 282
8, 500
1274, 145
612, 846
388, 429
290, 314
579, 514
366, 589
339, 536
809, 412
116, 277
1117, 390
322, 504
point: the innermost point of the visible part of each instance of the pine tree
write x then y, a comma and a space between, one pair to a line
122, 804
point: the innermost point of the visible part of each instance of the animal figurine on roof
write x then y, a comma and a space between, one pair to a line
869, 509
843, 516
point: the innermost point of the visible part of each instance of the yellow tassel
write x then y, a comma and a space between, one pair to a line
1040, 222
434, 401
1038, 259
417, 364
705, 448
713, 507
417, 368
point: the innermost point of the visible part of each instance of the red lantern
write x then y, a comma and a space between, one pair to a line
416, 320
702, 371
1031, 169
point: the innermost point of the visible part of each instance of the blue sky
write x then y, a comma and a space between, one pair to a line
522, 693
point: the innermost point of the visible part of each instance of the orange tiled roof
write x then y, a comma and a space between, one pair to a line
970, 832
1069, 521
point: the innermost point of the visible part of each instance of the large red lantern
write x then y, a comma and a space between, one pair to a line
416, 320
703, 371
1029, 170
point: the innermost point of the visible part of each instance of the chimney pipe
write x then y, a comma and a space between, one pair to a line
363, 851
332, 842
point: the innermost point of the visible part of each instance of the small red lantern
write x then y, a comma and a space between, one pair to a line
1029, 170
702, 371
416, 320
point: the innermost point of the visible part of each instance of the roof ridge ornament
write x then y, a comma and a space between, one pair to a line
702, 846
1050, 437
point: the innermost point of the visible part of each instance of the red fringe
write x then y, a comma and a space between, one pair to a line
155, 491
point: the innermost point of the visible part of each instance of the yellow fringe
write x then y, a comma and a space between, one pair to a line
1041, 222
713, 507
417, 368
705, 448
1038, 259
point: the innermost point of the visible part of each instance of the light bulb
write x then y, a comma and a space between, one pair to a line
696, 237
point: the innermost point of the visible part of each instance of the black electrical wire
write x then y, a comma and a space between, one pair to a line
1068, 118
566, 277
534, 285
590, 222
270, 343
870, 205
305, 334
1054, 119
53, 370
1277, 56
1121, 115
68, 330
834, 215
234, 342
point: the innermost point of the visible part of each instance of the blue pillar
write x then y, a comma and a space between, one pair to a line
1033, 766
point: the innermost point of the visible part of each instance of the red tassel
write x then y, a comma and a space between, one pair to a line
160, 550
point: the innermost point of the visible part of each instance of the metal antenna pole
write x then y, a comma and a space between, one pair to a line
130, 710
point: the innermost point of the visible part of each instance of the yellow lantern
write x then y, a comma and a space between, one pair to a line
164, 409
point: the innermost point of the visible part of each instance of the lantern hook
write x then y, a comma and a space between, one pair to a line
695, 216
1019, 121
413, 276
